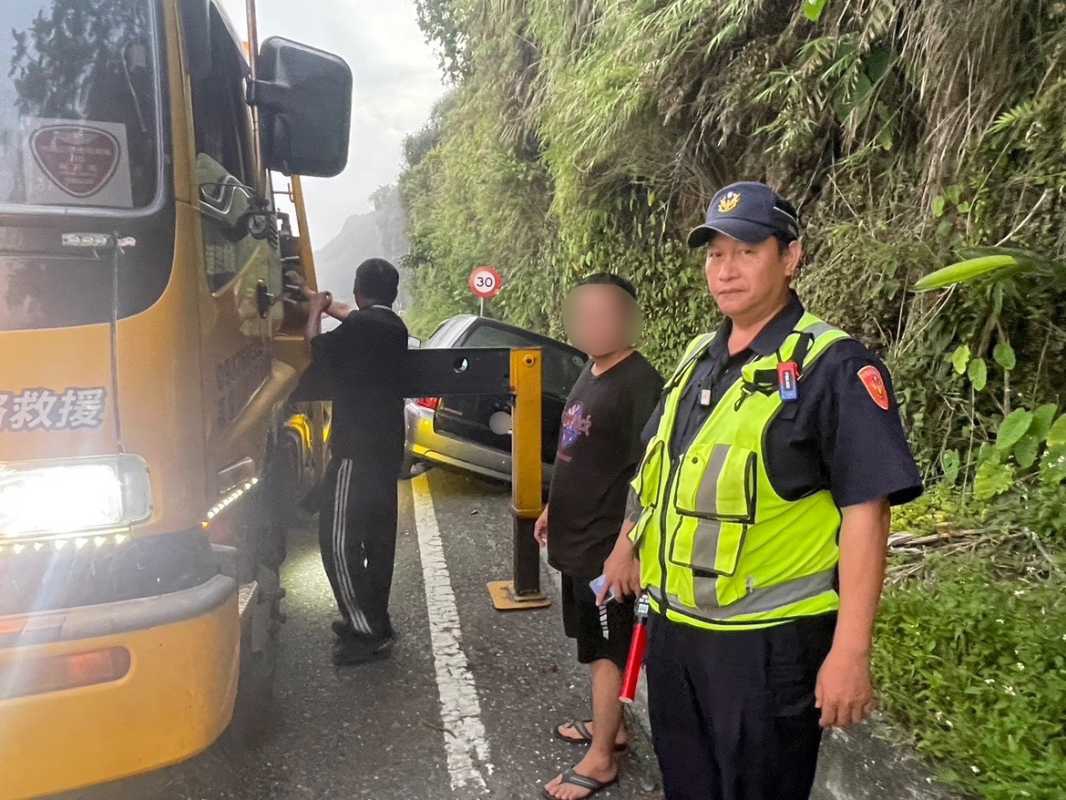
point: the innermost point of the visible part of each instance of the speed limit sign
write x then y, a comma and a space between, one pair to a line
485, 282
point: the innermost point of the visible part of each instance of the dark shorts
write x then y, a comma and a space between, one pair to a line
600, 633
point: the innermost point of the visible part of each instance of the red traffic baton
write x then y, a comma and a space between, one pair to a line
638, 645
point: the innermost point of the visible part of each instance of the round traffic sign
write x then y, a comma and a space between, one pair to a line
485, 282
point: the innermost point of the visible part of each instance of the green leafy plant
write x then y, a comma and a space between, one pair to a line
979, 686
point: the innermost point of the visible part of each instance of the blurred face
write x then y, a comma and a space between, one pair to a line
601, 319
749, 281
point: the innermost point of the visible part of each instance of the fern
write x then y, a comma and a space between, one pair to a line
1013, 117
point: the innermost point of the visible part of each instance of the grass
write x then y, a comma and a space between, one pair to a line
971, 663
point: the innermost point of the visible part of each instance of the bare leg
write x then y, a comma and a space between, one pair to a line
621, 740
600, 762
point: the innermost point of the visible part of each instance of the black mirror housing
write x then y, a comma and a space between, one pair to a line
304, 97
196, 32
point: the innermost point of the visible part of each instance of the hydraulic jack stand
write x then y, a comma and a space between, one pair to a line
523, 592
499, 371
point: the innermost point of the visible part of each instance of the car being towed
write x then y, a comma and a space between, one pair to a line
472, 433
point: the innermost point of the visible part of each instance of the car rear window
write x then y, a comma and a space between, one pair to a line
440, 337
562, 366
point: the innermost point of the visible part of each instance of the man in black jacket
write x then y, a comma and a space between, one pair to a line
360, 360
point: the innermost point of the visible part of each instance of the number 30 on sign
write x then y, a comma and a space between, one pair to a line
485, 282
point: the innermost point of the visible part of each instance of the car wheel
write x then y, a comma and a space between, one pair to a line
412, 467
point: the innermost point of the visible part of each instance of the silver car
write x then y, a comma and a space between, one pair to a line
472, 433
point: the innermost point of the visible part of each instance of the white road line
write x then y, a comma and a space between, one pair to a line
465, 745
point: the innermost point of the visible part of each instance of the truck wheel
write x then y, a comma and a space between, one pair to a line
253, 708
286, 484
265, 538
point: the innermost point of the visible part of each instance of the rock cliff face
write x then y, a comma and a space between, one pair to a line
380, 233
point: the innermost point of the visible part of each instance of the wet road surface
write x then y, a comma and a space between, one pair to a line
463, 708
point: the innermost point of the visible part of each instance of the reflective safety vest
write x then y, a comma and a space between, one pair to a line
719, 548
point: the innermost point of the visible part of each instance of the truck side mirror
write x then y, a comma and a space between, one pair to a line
304, 97
196, 31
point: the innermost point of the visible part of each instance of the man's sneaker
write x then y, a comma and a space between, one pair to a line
359, 651
343, 630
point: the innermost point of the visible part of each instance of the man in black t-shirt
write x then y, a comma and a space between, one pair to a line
599, 447
357, 519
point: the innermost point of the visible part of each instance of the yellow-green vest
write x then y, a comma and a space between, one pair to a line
719, 548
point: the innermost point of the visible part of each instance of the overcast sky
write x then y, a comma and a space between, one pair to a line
396, 84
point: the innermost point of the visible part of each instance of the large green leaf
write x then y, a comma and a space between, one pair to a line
1013, 428
992, 478
812, 9
965, 271
1056, 435
978, 373
1053, 465
951, 464
877, 63
1004, 355
960, 358
1025, 258
1026, 451
1042, 418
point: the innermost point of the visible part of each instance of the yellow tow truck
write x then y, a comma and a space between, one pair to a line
147, 434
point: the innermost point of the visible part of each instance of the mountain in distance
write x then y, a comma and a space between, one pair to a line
379, 233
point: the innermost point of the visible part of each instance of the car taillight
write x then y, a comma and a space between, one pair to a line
432, 403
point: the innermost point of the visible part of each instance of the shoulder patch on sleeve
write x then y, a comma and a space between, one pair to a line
875, 386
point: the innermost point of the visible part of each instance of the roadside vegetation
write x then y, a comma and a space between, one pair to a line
590, 135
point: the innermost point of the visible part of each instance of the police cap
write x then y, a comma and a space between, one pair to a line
748, 211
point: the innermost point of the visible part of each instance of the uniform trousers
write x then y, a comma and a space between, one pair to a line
732, 712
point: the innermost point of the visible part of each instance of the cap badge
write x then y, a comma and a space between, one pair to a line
728, 204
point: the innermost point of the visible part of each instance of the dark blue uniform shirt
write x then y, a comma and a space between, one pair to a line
835, 436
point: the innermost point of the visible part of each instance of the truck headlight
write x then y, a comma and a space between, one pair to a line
73, 495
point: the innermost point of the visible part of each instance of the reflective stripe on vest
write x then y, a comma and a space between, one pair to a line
719, 547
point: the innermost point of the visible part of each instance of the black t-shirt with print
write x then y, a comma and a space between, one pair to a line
599, 448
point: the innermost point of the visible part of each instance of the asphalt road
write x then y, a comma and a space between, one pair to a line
463, 708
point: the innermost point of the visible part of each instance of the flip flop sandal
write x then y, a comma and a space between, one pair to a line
586, 735
584, 781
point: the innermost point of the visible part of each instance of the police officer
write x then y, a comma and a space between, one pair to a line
758, 522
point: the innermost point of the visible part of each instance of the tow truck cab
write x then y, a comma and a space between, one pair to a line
146, 362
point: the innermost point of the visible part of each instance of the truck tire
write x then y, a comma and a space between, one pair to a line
264, 544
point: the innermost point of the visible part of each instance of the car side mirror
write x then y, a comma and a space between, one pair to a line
196, 31
304, 97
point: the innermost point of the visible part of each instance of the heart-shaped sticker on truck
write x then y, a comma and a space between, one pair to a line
79, 159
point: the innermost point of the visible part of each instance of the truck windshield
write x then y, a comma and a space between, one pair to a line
79, 105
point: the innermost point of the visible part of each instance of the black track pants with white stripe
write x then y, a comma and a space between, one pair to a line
357, 535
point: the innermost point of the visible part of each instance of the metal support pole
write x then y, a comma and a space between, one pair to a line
262, 180
523, 592
307, 255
